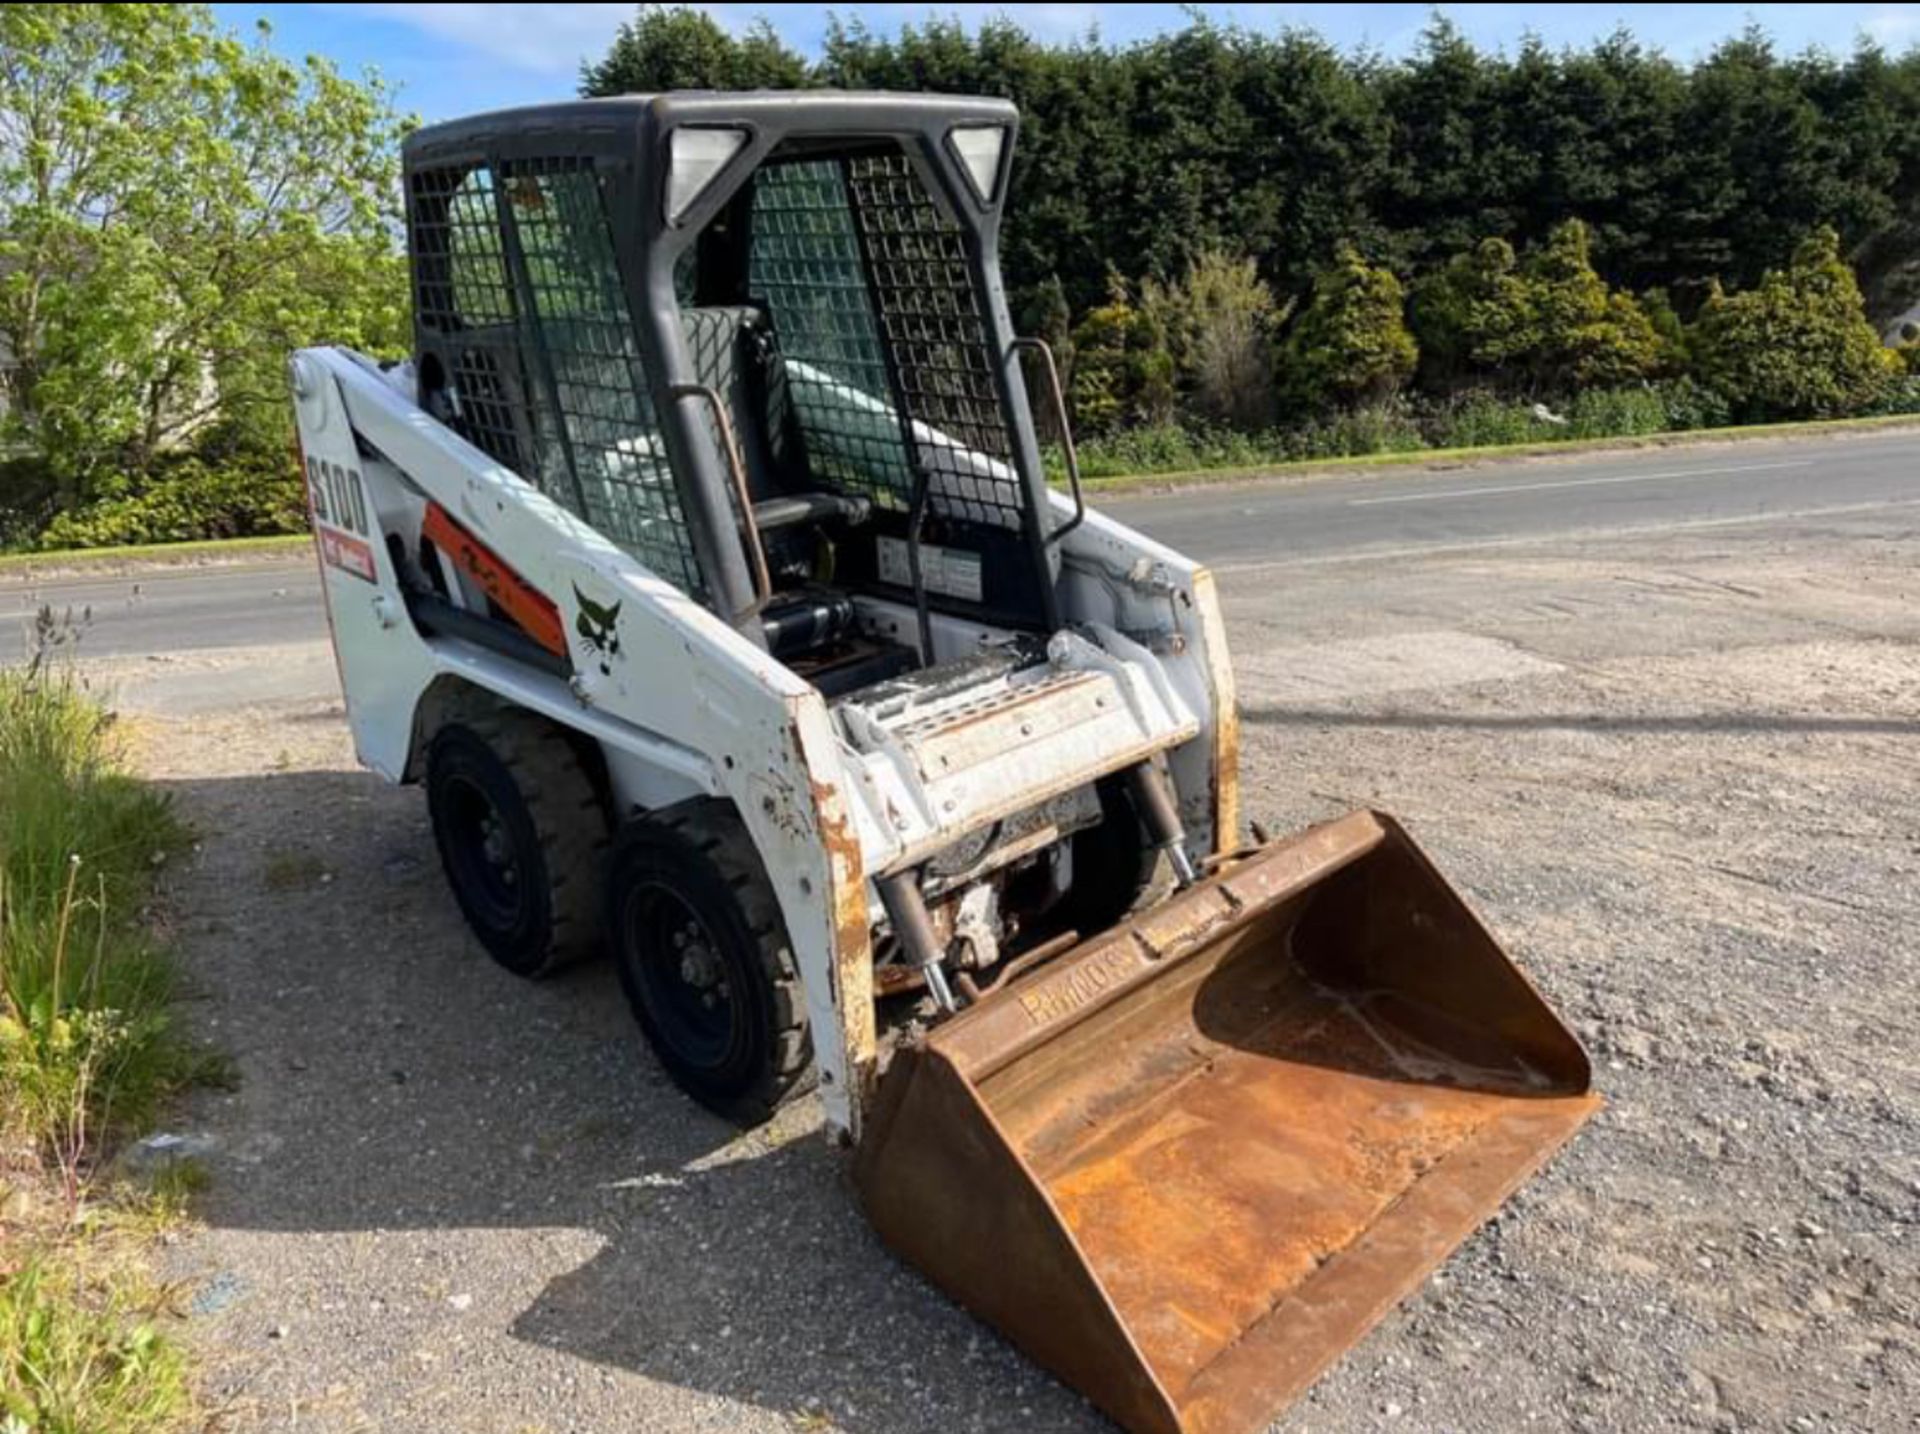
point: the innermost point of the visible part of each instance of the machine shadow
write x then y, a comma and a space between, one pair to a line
392, 1078
1692, 723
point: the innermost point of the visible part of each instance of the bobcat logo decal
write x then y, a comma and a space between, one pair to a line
598, 627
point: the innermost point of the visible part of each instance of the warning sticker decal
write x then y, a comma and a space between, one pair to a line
951, 572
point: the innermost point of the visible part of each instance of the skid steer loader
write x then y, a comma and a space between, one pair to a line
702, 566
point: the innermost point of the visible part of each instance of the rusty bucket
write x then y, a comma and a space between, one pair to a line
1189, 1163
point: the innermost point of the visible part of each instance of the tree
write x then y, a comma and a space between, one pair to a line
1878, 102
1474, 316
1073, 161
1670, 333
1606, 122
679, 47
1219, 322
1548, 324
1586, 335
1454, 172
1767, 164
1351, 343
1140, 157
1796, 345
1122, 372
177, 210
1047, 317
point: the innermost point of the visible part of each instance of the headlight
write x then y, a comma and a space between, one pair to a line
694, 158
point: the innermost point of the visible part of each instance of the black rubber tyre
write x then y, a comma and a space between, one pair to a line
522, 835
1114, 865
705, 960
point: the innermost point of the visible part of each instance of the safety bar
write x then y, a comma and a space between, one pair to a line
1059, 398
743, 497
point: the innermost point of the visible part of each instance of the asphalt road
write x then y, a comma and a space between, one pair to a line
1236, 528
173, 609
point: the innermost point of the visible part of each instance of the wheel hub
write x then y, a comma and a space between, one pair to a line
700, 966
497, 846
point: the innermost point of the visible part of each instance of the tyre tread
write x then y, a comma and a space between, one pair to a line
569, 819
709, 830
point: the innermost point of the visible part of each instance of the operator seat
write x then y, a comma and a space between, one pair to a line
734, 353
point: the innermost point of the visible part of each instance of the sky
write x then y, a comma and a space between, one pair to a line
453, 59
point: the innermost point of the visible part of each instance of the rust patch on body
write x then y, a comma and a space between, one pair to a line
846, 897
1169, 929
1048, 998
1226, 715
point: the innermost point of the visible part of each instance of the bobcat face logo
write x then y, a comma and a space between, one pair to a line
598, 629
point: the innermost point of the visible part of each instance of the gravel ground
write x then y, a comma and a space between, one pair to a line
1678, 776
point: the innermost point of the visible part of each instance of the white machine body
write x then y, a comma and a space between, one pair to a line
679, 704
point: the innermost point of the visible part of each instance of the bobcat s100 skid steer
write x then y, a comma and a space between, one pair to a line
702, 567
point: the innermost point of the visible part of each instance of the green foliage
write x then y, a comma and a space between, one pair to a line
1691, 404
1630, 412
1477, 418
29, 498
177, 210
1399, 425
1386, 425
677, 47
1798, 344
1472, 317
1669, 332
190, 497
1137, 157
1047, 317
1900, 396
1219, 322
1122, 371
1583, 333
84, 1040
80, 1354
1545, 325
1173, 448
1389, 427
1350, 344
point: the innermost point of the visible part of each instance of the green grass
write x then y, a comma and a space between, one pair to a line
80, 1352
87, 1052
145, 553
85, 1042
162, 1201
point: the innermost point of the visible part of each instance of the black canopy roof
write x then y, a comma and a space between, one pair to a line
773, 114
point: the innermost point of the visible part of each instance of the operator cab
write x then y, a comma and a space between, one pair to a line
761, 345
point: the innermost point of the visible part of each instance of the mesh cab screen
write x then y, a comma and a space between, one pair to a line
463, 291
850, 350
874, 309
623, 481
546, 374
